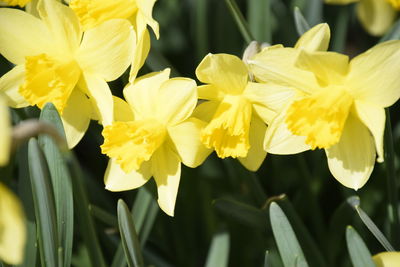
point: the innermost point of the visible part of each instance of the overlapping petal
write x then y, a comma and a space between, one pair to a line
5, 133
376, 16
315, 39
9, 86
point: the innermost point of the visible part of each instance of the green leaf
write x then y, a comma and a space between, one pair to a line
44, 205
240, 21
359, 253
313, 11
266, 259
260, 20
288, 246
218, 255
340, 29
129, 238
300, 22
103, 215
242, 213
61, 181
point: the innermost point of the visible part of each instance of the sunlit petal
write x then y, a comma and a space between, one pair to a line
140, 54
9, 86
5, 133
122, 110
315, 39
375, 16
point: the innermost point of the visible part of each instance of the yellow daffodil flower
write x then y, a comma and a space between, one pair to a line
237, 109
56, 62
153, 133
12, 219
20, 3
94, 12
376, 16
340, 106
387, 259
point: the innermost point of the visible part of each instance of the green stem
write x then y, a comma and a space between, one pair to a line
342, 22
240, 21
391, 184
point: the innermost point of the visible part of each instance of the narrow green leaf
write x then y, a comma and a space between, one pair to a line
259, 17
85, 220
355, 203
30, 246
61, 181
240, 21
218, 255
359, 253
266, 259
313, 11
340, 29
241, 212
129, 237
393, 33
44, 205
288, 246
201, 28
300, 22
103, 215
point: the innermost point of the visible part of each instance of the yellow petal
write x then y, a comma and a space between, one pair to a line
9, 86
101, 97
280, 140
352, 160
256, 154
122, 110
107, 50
387, 259
176, 100
20, 3
5, 133
49, 80
373, 75
13, 229
143, 92
186, 139
341, 2
374, 118
140, 54
268, 99
115, 179
205, 111
76, 117
166, 170
375, 16
145, 9
209, 92
275, 64
132, 143
315, 39
328, 67
227, 72
17, 28
63, 26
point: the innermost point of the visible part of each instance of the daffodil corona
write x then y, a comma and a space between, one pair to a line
58, 63
153, 133
237, 109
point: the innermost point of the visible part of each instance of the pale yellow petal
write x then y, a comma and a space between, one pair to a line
142, 94
101, 97
13, 228
107, 50
376, 16
315, 39
9, 86
122, 110
63, 25
31, 8
166, 170
387, 259
275, 64
374, 118
115, 179
17, 29
140, 54
5, 133
280, 140
268, 99
176, 100
328, 67
76, 117
186, 138
352, 160
227, 72
209, 92
145, 9
256, 153
205, 111
374, 74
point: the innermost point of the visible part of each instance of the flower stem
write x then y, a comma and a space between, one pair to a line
240, 21
391, 185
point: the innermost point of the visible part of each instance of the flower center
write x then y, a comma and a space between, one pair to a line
132, 143
395, 4
320, 117
93, 12
48, 80
20, 3
228, 131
